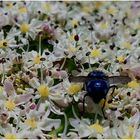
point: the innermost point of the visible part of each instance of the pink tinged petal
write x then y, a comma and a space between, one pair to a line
4, 117
134, 111
63, 74
47, 28
20, 99
135, 7
33, 106
136, 118
135, 95
61, 102
136, 71
56, 74
9, 88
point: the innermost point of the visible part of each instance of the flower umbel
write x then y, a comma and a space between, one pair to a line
126, 45
22, 10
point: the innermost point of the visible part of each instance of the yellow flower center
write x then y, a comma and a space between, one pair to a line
95, 53
22, 10
10, 136
121, 59
74, 22
10, 105
43, 90
3, 43
24, 28
111, 10
31, 122
133, 84
37, 60
98, 128
126, 45
71, 37
47, 7
86, 9
72, 49
9, 5
104, 25
74, 88
98, 5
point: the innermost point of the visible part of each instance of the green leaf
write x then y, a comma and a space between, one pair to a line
34, 45
56, 81
6, 29
70, 65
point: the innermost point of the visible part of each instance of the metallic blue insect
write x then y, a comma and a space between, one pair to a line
97, 85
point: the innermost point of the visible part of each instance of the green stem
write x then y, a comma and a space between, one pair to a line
41, 72
63, 63
66, 126
95, 117
89, 64
41, 68
40, 45
27, 48
74, 113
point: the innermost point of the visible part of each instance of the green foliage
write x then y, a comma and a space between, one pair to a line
6, 29
70, 65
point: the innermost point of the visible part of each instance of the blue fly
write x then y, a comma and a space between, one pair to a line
98, 84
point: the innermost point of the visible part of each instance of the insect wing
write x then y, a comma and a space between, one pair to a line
79, 79
119, 79
112, 79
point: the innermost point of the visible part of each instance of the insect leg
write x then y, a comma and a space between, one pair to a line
103, 109
84, 104
113, 86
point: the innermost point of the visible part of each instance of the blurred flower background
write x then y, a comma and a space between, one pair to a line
42, 43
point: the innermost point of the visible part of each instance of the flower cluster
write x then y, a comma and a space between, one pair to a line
42, 43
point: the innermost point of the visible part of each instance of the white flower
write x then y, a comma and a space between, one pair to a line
11, 102
8, 41
30, 29
11, 132
38, 121
81, 126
